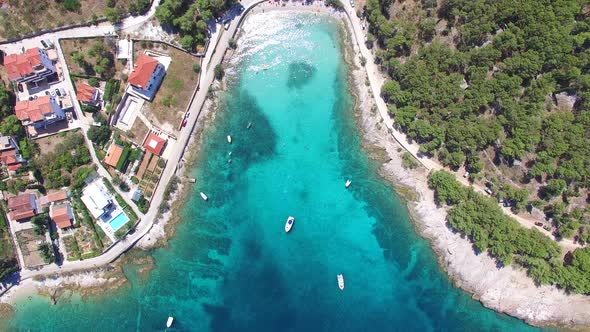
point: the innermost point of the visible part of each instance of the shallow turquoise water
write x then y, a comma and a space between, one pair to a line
231, 267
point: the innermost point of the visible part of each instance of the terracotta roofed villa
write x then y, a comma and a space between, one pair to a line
22, 207
146, 76
87, 94
31, 66
154, 144
62, 215
39, 113
113, 155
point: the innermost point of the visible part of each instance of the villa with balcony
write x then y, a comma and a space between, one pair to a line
29, 67
38, 113
146, 77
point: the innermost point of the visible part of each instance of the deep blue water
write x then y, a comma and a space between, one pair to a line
231, 267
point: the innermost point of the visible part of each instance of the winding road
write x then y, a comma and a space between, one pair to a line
214, 56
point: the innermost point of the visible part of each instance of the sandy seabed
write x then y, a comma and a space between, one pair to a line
508, 290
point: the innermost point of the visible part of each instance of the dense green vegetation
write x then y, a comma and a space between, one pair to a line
485, 224
99, 135
8, 262
102, 59
57, 167
494, 76
190, 17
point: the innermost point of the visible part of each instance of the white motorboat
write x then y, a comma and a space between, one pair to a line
229, 139
249, 125
289, 224
169, 322
341, 282
348, 182
203, 196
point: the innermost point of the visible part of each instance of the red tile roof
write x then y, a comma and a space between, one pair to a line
85, 93
19, 65
20, 206
54, 197
33, 110
14, 167
142, 72
18, 215
113, 155
61, 216
8, 157
154, 143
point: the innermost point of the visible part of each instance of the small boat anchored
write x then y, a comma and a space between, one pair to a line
169, 321
348, 182
229, 139
289, 224
249, 125
203, 196
341, 282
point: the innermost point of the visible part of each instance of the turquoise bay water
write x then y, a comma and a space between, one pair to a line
231, 267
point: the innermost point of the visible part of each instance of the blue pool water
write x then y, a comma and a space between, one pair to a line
230, 265
118, 221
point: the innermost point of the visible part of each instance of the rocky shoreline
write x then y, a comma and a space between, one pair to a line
508, 290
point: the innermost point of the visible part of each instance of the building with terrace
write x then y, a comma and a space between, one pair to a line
38, 113
146, 77
31, 66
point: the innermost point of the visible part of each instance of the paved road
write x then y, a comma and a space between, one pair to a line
212, 59
215, 57
102, 29
376, 80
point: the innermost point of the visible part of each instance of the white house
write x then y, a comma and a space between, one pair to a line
146, 77
97, 198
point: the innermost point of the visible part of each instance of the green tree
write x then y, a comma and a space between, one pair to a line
389, 90
40, 224
446, 188
11, 126
219, 72
113, 15
554, 188
99, 134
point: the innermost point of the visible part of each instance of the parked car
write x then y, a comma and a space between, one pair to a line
183, 123
226, 25
538, 223
20, 87
57, 92
63, 91
488, 190
44, 44
352, 3
47, 92
187, 115
547, 228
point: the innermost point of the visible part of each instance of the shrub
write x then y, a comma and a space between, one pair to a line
71, 5
93, 81
197, 67
219, 72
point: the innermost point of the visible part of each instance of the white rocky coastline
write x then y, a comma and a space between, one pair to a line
508, 290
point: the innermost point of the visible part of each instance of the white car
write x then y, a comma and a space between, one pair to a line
352, 3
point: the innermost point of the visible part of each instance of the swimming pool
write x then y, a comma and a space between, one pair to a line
118, 221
